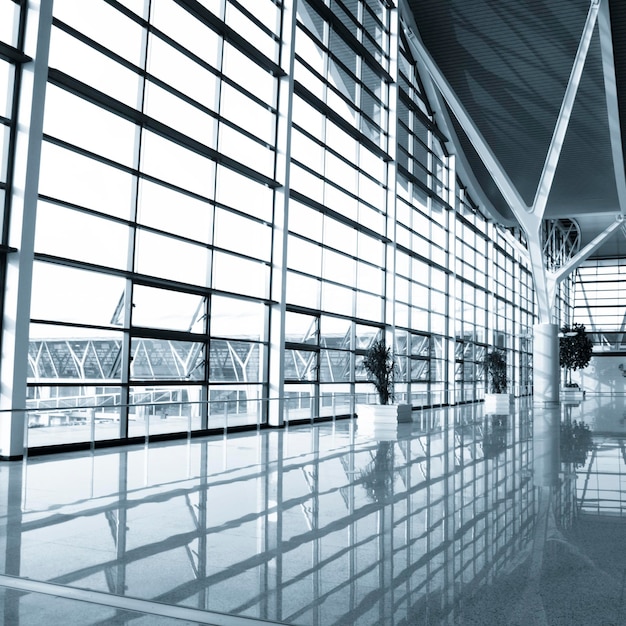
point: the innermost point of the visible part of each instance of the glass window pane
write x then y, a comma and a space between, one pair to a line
83, 62
370, 249
247, 114
234, 361
158, 308
171, 409
307, 151
175, 164
246, 73
106, 25
61, 415
75, 235
337, 299
166, 359
300, 328
264, 10
305, 220
235, 318
338, 267
303, 290
307, 49
251, 32
181, 26
182, 73
9, 20
238, 275
300, 365
246, 195
174, 212
70, 352
157, 255
239, 234
245, 150
68, 176
335, 332
87, 126
339, 236
310, 18
7, 75
335, 366
304, 256
370, 278
4, 149
306, 116
369, 307
307, 183
66, 294
235, 405
168, 108
366, 336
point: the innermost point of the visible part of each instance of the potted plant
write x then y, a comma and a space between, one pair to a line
497, 398
380, 367
575, 351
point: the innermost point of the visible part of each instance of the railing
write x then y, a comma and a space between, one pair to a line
74, 420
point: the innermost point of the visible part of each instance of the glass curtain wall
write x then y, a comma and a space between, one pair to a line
12, 19
338, 212
599, 301
465, 286
154, 227
157, 237
11, 57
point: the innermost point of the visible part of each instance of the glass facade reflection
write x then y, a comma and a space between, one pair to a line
234, 200
327, 525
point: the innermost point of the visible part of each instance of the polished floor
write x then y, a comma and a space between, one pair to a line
456, 518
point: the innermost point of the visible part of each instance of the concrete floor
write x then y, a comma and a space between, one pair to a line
456, 518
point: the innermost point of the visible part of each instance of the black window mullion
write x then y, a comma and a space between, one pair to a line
123, 110
229, 34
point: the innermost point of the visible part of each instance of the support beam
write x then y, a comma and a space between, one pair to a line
610, 90
529, 218
546, 365
275, 409
19, 271
554, 278
556, 143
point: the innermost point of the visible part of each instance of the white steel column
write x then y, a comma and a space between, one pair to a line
278, 287
546, 364
16, 314
392, 170
610, 90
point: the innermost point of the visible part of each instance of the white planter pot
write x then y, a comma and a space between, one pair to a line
383, 413
498, 403
380, 421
